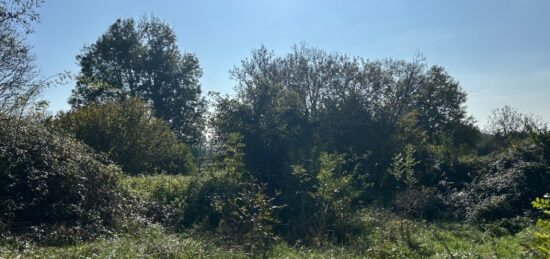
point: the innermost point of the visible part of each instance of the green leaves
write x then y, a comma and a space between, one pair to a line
131, 136
326, 194
142, 60
403, 167
542, 204
542, 235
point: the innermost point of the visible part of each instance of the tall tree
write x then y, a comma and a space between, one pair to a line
439, 102
17, 71
143, 60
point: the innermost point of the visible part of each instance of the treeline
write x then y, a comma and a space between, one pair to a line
307, 141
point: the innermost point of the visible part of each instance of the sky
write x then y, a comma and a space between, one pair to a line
499, 50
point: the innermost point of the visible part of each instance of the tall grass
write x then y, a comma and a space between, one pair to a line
387, 236
150, 242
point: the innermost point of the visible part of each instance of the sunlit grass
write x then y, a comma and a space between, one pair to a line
148, 186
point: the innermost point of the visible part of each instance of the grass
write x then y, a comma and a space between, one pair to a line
384, 235
150, 242
388, 237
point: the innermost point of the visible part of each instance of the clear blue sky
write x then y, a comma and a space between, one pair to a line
499, 50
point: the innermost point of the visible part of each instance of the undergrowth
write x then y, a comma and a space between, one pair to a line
385, 235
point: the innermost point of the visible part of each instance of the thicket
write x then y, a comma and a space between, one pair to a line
396, 131
54, 189
502, 182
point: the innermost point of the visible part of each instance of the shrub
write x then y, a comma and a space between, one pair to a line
219, 181
235, 208
54, 187
228, 200
327, 196
403, 168
131, 136
421, 202
542, 235
162, 196
249, 217
503, 183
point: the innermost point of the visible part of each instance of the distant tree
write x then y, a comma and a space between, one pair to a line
110, 68
439, 102
505, 121
17, 70
510, 123
143, 60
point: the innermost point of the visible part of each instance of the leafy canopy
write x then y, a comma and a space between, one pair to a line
142, 59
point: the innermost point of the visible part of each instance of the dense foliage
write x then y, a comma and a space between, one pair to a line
290, 109
143, 60
53, 186
503, 182
388, 237
130, 135
223, 199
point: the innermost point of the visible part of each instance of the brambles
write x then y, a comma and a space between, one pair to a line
54, 188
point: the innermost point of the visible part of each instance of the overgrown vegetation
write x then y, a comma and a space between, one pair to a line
388, 236
317, 155
53, 188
